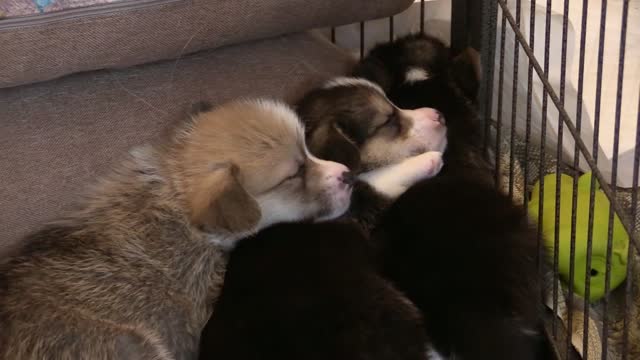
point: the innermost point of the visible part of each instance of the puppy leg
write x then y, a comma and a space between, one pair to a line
393, 180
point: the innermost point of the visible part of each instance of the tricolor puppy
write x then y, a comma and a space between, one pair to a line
351, 121
133, 272
459, 249
417, 71
313, 291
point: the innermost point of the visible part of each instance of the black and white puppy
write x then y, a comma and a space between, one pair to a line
463, 252
313, 291
417, 71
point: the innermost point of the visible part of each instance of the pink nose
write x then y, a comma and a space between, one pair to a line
348, 178
332, 169
429, 114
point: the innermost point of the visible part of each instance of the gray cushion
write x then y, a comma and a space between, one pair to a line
135, 32
58, 136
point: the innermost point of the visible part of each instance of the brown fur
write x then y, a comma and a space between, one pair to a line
219, 198
131, 274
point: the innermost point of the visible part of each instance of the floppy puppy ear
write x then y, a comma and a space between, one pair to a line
466, 74
338, 147
372, 69
219, 202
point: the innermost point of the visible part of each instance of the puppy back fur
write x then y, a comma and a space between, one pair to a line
310, 291
131, 273
466, 256
125, 274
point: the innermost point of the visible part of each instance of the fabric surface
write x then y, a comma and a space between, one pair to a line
17, 8
149, 30
58, 136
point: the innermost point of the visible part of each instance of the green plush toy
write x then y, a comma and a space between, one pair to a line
600, 230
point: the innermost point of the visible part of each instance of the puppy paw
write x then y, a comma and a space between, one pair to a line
394, 180
424, 166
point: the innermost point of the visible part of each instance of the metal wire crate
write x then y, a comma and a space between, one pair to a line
609, 328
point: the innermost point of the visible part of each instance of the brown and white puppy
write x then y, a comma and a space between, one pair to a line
132, 274
351, 121
353, 118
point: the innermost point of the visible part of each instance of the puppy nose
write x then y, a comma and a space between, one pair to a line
348, 178
439, 118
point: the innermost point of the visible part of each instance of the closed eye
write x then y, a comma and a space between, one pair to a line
299, 173
392, 122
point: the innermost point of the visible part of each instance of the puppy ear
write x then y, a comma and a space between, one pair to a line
372, 69
337, 146
219, 202
465, 71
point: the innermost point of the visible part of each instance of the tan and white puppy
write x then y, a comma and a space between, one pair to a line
351, 121
133, 272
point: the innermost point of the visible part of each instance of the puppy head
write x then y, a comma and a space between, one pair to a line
352, 122
408, 59
420, 58
245, 165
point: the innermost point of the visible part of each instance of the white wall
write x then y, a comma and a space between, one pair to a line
437, 23
609, 84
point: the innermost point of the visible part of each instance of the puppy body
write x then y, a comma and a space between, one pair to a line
445, 230
133, 273
466, 257
351, 121
310, 291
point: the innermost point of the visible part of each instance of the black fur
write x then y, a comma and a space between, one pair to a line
310, 291
465, 255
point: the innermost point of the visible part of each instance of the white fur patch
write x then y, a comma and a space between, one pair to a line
529, 332
393, 180
432, 354
351, 81
416, 74
275, 210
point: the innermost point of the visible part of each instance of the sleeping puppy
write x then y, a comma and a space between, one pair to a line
351, 121
312, 291
417, 71
133, 272
444, 231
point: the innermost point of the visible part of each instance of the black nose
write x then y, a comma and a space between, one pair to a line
348, 178
440, 118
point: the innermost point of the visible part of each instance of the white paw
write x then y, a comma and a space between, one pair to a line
393, 180
424, 166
